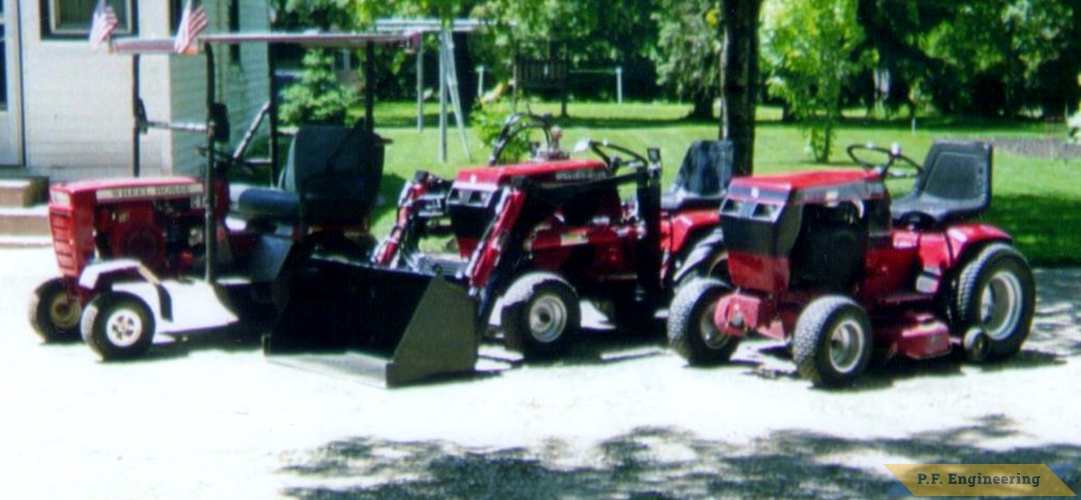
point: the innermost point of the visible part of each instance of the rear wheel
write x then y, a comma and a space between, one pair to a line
540, 314
54, 314
715, 266
118, 326
691, 331
996, 294
832, 342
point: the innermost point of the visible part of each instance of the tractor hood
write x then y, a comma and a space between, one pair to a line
822, 186
126, 189
540, 172
764, 217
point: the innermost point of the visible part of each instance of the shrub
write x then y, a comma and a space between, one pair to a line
318, 97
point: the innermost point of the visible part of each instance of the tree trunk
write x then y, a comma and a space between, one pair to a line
740, 79
703, 109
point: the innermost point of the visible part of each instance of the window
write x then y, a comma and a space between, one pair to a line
3, 61
71, 18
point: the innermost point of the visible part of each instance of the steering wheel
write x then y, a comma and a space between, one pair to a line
893, 158
614, 155
225, 161
514, 125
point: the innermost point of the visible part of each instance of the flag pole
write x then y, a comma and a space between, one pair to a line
137, 119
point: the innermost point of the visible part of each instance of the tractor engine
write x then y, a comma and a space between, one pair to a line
812, 236
830, 250
163, 234
156, 221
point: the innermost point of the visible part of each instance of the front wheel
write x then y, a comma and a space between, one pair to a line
832, 341
996, 293
714, 266
54, 314
540, 314
118, 326
691, 331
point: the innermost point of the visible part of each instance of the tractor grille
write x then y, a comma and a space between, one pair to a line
62, 226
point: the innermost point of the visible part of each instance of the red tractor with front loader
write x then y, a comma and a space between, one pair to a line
827, 262
528, 240
140, 256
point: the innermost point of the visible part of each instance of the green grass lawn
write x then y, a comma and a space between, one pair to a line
1037, 200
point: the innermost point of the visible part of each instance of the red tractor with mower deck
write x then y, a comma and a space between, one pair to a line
825, 261
535, 237
141, 255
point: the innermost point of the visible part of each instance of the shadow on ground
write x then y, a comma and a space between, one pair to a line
651, 463
236, 337
1057, 327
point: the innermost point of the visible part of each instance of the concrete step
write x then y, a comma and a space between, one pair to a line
24, 192
24, 212
8, 241
25, 226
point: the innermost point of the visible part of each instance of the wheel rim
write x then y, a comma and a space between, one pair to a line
64, 313
846, 346
124, 327
711, 336
1000, 305
547, 318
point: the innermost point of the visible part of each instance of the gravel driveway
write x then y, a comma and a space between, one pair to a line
211, 417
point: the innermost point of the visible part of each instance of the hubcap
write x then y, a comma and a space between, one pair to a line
547, 318
1000, 305
124, 328
845, 346
64, 313
712, 336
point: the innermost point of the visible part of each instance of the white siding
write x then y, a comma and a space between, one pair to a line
242, 86
78, 103
10, 130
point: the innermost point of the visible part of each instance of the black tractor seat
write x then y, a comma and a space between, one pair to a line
703, 177
268, 203
331, 177
955, 185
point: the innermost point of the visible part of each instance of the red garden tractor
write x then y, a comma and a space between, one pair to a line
825, 261
534, 237
140, 255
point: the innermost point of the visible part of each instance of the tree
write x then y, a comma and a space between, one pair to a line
993, 57
688, 51
810, 46
894, 31
1007, 55
596, 34
318, 96
306, 14
739, 94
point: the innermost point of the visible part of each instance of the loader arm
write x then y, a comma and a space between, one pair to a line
498, 258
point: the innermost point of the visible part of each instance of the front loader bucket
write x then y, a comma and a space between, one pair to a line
410, 326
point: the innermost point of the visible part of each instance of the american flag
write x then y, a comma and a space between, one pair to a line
103, 23
192, 23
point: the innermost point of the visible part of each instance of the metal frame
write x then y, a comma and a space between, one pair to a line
139, 47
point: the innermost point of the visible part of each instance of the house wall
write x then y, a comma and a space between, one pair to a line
78, 102
241, 84
10, 116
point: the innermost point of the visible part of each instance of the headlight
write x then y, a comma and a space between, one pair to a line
60, 199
